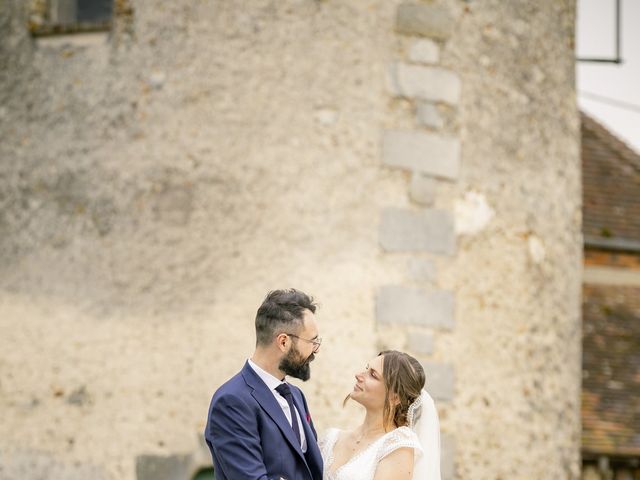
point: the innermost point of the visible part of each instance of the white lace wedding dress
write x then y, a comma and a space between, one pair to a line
362, 466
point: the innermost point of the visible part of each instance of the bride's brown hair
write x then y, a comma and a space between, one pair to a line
404, 379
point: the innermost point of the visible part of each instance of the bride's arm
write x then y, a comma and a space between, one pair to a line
398, 465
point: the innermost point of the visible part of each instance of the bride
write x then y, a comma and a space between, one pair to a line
399, 437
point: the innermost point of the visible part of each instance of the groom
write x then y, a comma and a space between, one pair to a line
259, 426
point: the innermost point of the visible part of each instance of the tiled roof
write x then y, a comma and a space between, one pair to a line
611, 185
611, 370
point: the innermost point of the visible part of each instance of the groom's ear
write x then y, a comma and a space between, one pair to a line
281, 341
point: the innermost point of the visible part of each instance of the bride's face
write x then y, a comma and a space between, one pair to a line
369, 389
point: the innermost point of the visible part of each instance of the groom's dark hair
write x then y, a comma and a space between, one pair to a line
281, 311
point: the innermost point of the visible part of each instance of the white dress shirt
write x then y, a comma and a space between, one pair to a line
272, 383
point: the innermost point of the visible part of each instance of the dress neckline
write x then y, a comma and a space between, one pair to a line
333, 472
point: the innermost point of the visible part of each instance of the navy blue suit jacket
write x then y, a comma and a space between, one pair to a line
250, 437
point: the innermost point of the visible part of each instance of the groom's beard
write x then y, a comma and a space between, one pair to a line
295, 365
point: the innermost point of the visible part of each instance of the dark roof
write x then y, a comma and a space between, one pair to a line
611, 185
611, 370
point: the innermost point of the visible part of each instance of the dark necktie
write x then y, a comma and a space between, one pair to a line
284, 390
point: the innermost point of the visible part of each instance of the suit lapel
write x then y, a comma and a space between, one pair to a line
269, 404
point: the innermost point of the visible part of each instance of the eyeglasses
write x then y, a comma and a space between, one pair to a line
316, 343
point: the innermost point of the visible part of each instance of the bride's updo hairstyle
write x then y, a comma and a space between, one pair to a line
404, 379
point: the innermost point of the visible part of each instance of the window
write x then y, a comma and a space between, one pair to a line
70, 16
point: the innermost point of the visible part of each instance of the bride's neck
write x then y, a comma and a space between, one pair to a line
372, 422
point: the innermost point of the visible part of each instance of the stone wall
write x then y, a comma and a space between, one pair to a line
413, 165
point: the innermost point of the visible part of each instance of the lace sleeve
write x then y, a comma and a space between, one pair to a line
402, 437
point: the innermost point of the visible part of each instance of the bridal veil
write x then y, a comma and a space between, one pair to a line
424, 421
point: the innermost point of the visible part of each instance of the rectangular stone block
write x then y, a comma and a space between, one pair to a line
428, 115
425, 20
417, 231
422, 189
440, 380
413, 306
419, 342
424, 51
430, 153
422, 269
159, 467
425, 83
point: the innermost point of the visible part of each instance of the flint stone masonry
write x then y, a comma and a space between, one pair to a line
430, 153
440, 380
425, 83
424, 20
79, 397
428, 115
407, 230
33, 464
421, 343
413, 306
424, 51
422, 269
422, 189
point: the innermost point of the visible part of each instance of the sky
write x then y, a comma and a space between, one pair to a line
595, 37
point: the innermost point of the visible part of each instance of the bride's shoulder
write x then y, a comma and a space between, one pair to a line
403, 432
401, 437
330, 434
